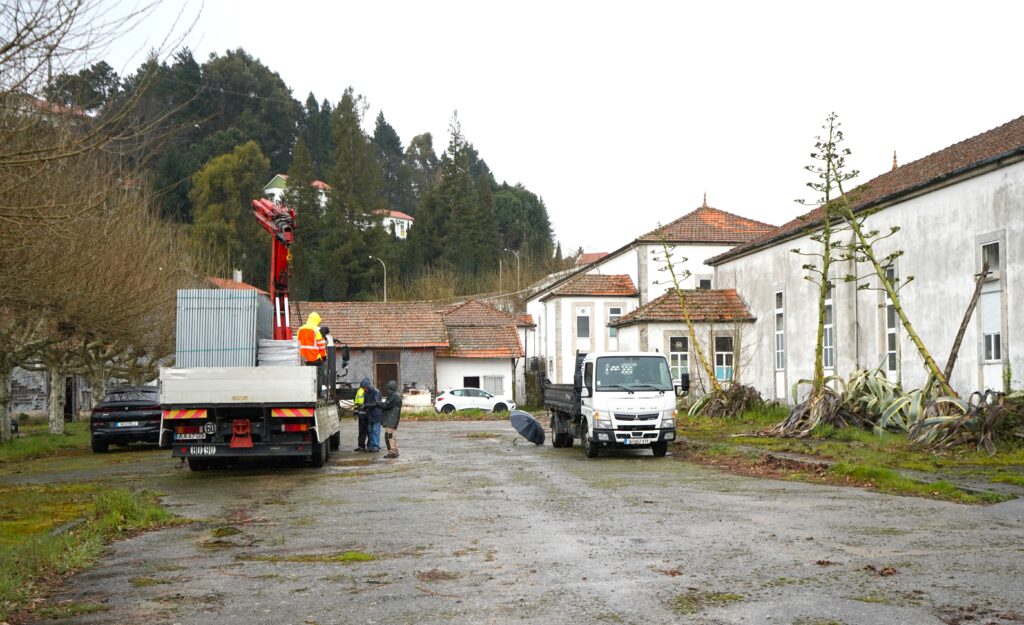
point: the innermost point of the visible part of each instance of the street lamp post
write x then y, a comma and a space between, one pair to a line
517, 266
385, 276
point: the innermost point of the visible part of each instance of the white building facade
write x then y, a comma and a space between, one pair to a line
955, 209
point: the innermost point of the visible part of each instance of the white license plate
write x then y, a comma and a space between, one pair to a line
191, 436
127, 424
636, 441
202, 450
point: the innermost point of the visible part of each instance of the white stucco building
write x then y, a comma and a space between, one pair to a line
955, 209
575, 312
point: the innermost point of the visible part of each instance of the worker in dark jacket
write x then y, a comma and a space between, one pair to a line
391, 407
371, 406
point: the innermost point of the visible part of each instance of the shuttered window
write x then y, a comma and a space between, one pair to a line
991, 325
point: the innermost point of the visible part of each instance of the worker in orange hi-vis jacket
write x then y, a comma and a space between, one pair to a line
312, 345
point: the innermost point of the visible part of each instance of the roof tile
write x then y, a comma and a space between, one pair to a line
596, 284
721, 305
708, 225
959, 157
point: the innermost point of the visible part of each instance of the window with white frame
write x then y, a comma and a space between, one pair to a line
614, 312
723, 358
582, 322
828, 340
780, 331
990, 255
679, 356
704, 283
891, 329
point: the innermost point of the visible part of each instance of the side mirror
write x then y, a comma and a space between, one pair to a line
680, 391
344, 356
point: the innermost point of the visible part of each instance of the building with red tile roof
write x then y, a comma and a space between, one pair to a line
589, 298
423, 345
944, 216
589, 257
234, 283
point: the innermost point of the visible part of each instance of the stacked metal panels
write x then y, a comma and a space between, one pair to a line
220, 327
278, 353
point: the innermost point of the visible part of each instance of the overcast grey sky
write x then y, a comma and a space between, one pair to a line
621, 115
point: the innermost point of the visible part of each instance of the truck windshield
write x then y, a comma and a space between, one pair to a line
632, 373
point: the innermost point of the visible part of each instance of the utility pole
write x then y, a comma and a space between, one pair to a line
385, 276
517, 266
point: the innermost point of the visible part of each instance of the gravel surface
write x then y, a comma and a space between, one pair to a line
466, 527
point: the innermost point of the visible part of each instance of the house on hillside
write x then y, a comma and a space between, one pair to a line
424, 346
577, 311
274, 190
395, 222
722, 323
956, 209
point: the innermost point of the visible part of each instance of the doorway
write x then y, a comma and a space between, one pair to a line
384, 372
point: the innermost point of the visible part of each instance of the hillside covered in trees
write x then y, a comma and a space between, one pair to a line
217, 132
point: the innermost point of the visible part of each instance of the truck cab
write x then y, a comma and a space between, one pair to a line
617, 400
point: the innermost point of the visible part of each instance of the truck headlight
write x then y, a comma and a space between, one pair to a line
668, 423
604, 424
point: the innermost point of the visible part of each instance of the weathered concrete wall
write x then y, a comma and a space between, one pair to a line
414, 367
28, 391
941, 236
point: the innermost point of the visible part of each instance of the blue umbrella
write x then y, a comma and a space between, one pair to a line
527, 426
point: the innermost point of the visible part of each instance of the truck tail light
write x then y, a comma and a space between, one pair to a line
294, 427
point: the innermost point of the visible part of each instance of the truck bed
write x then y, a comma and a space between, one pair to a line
561, 397
237, 385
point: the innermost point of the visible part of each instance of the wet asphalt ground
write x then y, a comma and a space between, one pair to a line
468, 528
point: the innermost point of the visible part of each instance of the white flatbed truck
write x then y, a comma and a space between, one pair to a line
212, 415
617, 400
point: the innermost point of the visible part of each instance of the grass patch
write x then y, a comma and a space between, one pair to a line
344, 557
484, 435
873, 599
67, 610
889, 481
694, 601
38, 553
1016, 480
740, 437
225, 531
458, 415
38, 443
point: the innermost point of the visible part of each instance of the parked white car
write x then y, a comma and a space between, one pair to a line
471, 399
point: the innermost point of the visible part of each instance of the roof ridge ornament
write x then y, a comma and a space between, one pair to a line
705, 200
894, 165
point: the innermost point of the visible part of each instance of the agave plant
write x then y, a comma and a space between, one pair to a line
950, 421
729, 401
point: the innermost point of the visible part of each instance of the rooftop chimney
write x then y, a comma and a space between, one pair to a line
237, 275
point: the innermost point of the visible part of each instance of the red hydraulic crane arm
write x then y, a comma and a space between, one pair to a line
279, 221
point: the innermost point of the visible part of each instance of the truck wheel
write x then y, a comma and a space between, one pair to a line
99, 447
659, 448
335, 441
318, 455
197, 464
589, 446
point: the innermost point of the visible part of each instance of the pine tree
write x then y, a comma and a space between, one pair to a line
398, 192
355, 179
305, 199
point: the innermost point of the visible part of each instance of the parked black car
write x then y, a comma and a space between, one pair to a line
128, 414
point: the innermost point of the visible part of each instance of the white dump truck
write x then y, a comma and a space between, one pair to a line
617, 399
